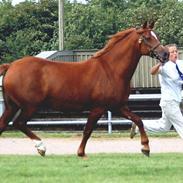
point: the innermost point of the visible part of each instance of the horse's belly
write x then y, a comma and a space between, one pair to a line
68, 105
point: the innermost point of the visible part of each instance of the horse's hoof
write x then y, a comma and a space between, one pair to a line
41, 152
146, 152
85, 157
82, 155
80, 152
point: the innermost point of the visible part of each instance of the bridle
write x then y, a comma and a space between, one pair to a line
152, 49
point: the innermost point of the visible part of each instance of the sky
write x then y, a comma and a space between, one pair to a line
18, 1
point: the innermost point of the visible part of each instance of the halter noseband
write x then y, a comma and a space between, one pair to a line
152, 51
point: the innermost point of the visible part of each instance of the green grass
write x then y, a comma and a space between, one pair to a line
99, 168
95, 134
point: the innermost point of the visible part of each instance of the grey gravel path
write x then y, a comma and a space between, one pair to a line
69, 146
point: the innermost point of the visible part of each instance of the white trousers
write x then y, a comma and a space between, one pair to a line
171, 115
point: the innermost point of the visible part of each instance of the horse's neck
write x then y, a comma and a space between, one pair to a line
122, 62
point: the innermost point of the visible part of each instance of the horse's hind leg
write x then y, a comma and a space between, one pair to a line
94, 116
8, 114
137, 120
20, 123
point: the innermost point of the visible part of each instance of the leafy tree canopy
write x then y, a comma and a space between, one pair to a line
32, 26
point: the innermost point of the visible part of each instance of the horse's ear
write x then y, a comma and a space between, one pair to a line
151, 25
144, 25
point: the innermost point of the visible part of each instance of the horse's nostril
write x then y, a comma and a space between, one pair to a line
165, 56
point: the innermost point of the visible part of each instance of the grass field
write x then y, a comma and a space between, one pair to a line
99, 168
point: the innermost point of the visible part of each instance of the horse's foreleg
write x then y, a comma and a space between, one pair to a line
137, 120
94, 116
20, 123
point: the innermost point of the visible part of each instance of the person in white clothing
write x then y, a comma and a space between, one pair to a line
171, 86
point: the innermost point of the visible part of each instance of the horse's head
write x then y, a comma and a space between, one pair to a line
149, 43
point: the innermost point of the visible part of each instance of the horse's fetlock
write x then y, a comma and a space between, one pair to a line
145, 142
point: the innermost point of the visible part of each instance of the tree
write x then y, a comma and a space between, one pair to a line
31, 27
169, 24
27, 28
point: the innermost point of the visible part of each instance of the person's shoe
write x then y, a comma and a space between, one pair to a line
133, 130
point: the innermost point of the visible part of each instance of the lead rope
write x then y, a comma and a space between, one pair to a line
180, 73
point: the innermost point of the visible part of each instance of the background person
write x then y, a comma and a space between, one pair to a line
171, 86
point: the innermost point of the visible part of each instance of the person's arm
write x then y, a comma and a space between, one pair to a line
155, 69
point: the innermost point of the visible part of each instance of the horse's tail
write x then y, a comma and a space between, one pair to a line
4, 68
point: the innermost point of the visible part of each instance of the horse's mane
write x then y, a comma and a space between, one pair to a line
114, 39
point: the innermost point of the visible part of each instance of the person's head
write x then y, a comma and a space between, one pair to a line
173, 54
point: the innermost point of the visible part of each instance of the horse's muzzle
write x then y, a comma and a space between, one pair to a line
162, 56
165, 57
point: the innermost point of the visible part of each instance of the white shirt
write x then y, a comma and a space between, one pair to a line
170, 81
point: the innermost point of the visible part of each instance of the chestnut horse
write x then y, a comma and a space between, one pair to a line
98, 84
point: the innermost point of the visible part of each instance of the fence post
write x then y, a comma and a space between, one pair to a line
109, 115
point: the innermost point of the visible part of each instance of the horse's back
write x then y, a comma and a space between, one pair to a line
38, 68
34, 80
